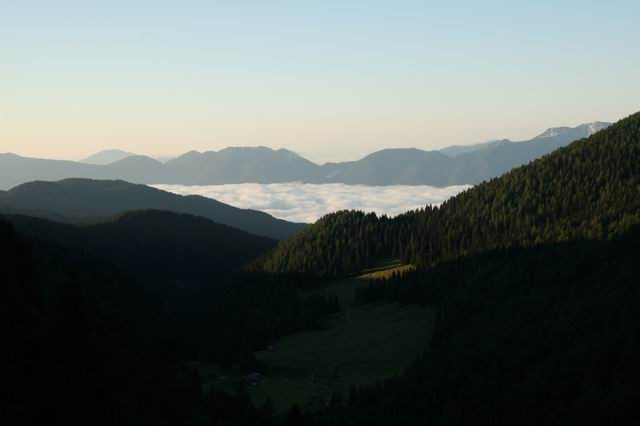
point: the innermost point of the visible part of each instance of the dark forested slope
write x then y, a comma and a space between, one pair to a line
547, 335
154, 244
82, 343
186, 262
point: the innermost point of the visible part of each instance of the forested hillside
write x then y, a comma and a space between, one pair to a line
99, 326
524, 336
82, 343
337, 243
190, 264
159, 245
589, 189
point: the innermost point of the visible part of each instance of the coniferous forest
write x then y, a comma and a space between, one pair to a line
533, 277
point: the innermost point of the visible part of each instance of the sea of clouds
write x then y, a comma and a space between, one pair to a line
301, 202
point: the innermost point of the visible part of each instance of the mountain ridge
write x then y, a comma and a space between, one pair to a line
235, 165
159, 244
86, 201
106, 156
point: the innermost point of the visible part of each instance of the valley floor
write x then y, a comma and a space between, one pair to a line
359, 345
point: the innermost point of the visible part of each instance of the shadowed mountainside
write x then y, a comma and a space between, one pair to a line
84, 201
158, 245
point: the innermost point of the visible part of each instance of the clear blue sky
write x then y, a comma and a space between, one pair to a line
329, 79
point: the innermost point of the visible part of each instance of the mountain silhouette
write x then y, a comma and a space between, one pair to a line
86, 201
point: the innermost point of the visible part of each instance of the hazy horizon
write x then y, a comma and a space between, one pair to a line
335, 157
330, 80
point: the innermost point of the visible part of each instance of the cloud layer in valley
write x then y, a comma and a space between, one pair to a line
298, 202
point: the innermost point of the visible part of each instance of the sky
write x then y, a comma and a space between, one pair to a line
331, 80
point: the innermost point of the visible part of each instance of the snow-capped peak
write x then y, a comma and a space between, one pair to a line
596, 126
581, 131
553, 132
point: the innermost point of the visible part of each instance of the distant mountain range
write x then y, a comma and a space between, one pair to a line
107, 157
83, 201
453, 165
455, 150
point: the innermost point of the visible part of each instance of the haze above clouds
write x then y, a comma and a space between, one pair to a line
298, 202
